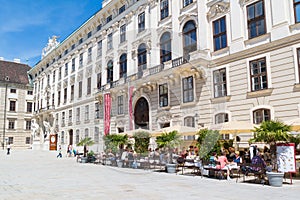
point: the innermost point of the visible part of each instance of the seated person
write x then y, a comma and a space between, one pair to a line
257, 159
237, 158
224, 164
213, 158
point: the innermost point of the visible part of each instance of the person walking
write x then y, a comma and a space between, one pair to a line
59, 152
8, 149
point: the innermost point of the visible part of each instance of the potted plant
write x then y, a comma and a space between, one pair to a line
169, 141
85, 142
272, 132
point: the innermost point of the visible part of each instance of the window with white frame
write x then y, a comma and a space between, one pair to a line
79, 89
109, 41
221, 118
189, 37
73, 64
29, 107
77, 137
70, 116
66, 69
63, 117
11, 123
120, 105
110, 71
59, 73
163, 95
220, 88
72, 92
86, 133
87, 112
81, 60
164, 9
187, 2
190, 122
256, 19
28, 124
13, 90
123, 65
219, 33
188, 89
77, 114
97, 110
99, 48
89, 86
121, 9
58, 97
165, 47
141, 22
258, 74
10, 140
261, 115
12, 105
96, 135
142, 56
90, 54
297, 10
109, 18
56, 119
53, 78
99, 81
65, 95
123, 33
62, 137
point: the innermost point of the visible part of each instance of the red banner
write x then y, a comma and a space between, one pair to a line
130, 108
107, 108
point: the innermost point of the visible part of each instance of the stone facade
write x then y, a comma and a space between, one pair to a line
188, 62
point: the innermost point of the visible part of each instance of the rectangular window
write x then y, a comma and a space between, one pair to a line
256, 19
70, 116
97, 110
10, 140
122, 9
120, 105
90, 54
220, 37
89, 34
11, 124
53, 99
53, 78
72, 92
58, 98
99, 81
73, 46
163, 95
65, 95
80, 41
56, 119
89, 86
13, 90
123, 33
298, 55
63, 117
258, 74
73, 64
77, 136
66, 69
96, 135
99, 48
80, 89
99, 27
27, 140
187, 2
77, 114
81, 60
141, 22
297, 10
164, 9
12, 105
109, 18
48, 79
220, 89
109, 41
29, 107
28, 125
188, 89
86, 113
66, 52
30, 92
59, 73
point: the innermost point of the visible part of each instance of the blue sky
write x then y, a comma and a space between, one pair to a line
26, 25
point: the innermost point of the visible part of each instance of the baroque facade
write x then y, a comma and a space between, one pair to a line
156, 63
16, 105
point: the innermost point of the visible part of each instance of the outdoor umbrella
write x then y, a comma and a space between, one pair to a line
182, 130
295, 123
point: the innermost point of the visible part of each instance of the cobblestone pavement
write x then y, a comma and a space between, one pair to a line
39, 175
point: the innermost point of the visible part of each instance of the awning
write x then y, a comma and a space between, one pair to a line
233, 127
182, 130
295, 123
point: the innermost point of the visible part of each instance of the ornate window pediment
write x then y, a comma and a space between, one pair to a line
89, 71
217, 9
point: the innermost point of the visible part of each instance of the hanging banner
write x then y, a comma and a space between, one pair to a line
130, 108
107, 108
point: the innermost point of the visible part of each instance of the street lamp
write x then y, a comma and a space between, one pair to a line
4, 120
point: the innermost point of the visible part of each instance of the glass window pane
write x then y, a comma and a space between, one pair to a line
297, 14
259, 9
250, 12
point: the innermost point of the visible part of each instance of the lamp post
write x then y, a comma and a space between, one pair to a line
4, 120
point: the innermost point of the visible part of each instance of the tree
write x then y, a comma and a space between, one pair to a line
115, 142
208, 142
272, 132
169, 140
85, 142
141, 141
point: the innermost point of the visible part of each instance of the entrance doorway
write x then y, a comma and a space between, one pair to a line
141, 114
71, 137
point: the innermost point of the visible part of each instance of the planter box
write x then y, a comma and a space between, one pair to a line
171, 168
275, 179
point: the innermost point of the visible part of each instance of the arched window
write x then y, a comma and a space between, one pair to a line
142, 56
165, 47
190, 122
261, 115
86, 133
189, 37
123, 65
110, 67
221, 118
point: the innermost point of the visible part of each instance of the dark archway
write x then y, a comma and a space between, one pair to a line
71, 137
141, 114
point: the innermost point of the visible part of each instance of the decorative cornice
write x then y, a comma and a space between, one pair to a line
244, 2
187, 16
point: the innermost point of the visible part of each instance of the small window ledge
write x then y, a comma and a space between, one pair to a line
297, 87
260, 93
188, 104
221, 51
259, 39
220, 99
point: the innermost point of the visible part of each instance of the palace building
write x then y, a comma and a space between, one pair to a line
152, 64
16, 105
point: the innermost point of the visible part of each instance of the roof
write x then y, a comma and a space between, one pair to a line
16, 72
